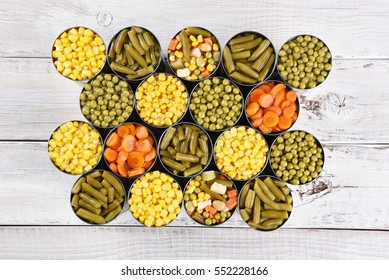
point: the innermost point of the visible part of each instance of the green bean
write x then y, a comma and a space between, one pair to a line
104, 191
114, 182
121, 68
135, 42
148, 38
244, 214
141, 73
262, 47
167, 138
94, 193
275, 214
204, 160
130, 60
246, 45
143, 43
247, 70
197, 31
172, 151
265, 198
265, 70
95, 174
284, 189
257, 210
181, 135
110, 207
274, 189
165, 153
173, 164
204, 146
261, 61
228, 62
241, 55
226, 183
199, 153
148, 57
111, 215
242, 39
77, 186
191, 127
193, 170
243, 195
288, 199
137, 56
279, 183
175, 141
137, 29
118, 197
153, 55
217, 196
185, 44
265, 188
106, 184
111, 52
188, 132
249, 201
119, 42
241, 78
193, 142
186, 157
90, 200
111, 194
262, 227
83, 204
92, 217
75, 199
184, 147
272, 222
197, 217
93, 182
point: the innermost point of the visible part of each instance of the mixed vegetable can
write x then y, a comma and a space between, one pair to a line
211, 135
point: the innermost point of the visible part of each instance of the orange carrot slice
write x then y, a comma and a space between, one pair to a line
128, 143
255, 94
274, 109
288, 112
131, 127
266, 88
123, 131
285, 104
294, 117
148, 164
122, 157
257, 122
123, 169
257, 115
276, 89
270, 119
252, 108
264, 129
110, 154
113, 167
265, 100
135, 172
284, 123
141, 132
291, 96
151, 154
113, 140
205, 73
270, 84
143, 146
135, 159
280, 97
151, 139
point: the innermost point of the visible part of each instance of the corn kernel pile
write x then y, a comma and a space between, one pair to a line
79, 53
155, 199
240, 153
75, 147
161, 100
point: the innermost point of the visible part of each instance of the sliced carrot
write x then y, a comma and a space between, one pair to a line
265, 100
276, 89
211, 216
231, 203
113, 140
270, 84
294, 117
190, 213
280, 97
123, 169
110, 154
210, 209
143, 146
120, 148
232, 193
208, 40
264, 129
135, 172
285, 104
255, 94
257, 115
173, 44
252, 108
276, 129
291, 96
257, 122
284, 122
113, 167
141, 132
288, 112
122, 157
151, 139
131, 127
294, 105
147, 164
123, 131
135, 159
205, 73
274, 109
266, 88
270, 119
128, 143
151, 154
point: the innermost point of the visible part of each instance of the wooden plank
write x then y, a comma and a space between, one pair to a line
338, 111
329, 20
351, 193
189, 243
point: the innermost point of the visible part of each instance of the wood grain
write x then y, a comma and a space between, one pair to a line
189, 243
36, 99
350, 194
359, 24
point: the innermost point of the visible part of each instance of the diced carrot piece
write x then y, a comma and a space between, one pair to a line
274, 109
151, 139
294, 117
264, 129
266, 88
147, 164
270, 84
232, 202
291, 96
232, 193
131, 127
173, 44
205, 73
284, 122
280, 97
128, 143
270, 119
285, 104
210, 209
288, 112
208, 40
257, 115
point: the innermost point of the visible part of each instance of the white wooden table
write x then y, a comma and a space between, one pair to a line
344, 214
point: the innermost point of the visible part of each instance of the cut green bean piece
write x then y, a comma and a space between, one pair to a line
250, 197
168, 137
173, 164
241, 55
130, 60
135, 42
112, 215
204, 160
228, 61
143, 43
185, 44
272, 222
95, 174
172, 151
265, 70
119, 197
137, 56
246, 45
261, 61
242, 39
193, 170
288, 199
274, 189
242, 78
93, 182
148, 38
90, 200
257, 210
265, 188
192, 30
93, 192
262, 227
193, 142
75, 199
244, 214
186, 157
114, 182
247, 70
285, 190
275, 214
119, 42
198, 217
111, 194
83, 204
208, 176
77, 186
121, 68
110, 207
104, 191
180, 131
106, 184
262, 47
243, 195
165, 153
92, 217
